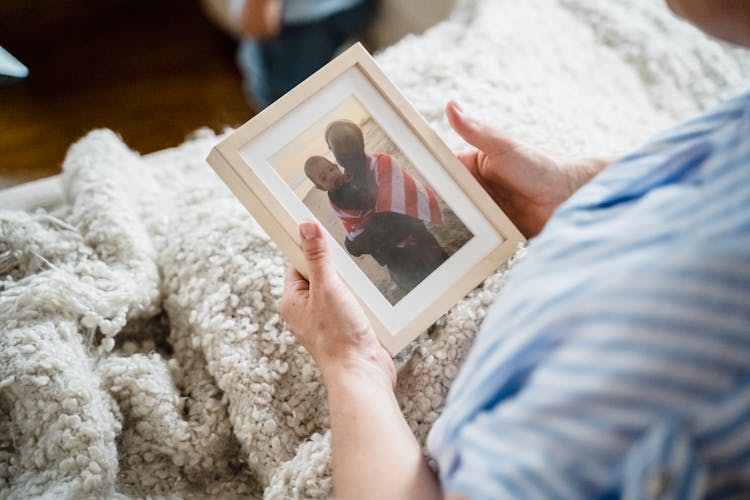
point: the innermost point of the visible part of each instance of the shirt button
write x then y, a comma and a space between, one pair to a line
659, 484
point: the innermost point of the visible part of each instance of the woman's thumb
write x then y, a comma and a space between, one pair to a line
477, 134
315, 250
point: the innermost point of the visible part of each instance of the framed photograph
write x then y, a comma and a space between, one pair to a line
410, 230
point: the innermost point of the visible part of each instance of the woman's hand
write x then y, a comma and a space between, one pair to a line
526, 184
375, 454
328, 321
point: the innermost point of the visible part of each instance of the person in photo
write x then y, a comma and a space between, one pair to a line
383, 209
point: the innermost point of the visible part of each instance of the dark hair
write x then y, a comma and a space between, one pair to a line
310, 162
347, 127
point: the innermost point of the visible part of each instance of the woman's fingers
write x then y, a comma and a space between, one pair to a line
476, 133
294, 280
469, 159
315, 249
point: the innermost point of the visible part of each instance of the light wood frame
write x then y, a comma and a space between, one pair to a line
269, 211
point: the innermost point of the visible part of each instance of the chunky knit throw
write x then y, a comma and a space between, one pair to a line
141, 350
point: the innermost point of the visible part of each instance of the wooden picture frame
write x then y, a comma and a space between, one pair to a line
262, 164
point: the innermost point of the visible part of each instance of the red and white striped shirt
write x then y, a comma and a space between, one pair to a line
397, 192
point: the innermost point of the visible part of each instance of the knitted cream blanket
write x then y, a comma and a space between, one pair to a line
141, 350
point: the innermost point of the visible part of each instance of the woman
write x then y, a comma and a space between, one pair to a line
626, 373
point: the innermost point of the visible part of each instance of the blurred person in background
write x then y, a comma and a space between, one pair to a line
285, 41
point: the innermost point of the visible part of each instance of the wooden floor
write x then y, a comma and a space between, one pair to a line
152, 70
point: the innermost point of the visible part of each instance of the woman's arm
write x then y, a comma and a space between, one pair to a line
374, 452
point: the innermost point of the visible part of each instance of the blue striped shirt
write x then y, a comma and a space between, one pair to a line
616, 361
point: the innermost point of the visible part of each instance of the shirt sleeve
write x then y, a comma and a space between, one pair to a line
566, 428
